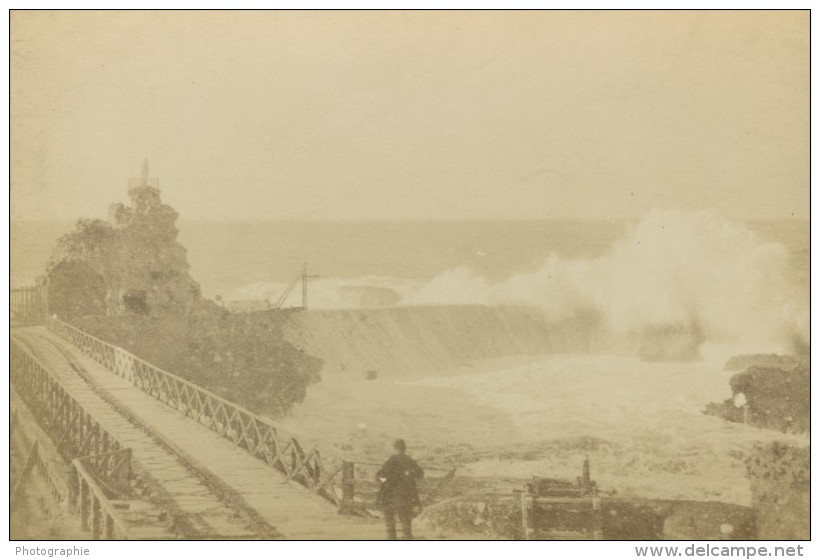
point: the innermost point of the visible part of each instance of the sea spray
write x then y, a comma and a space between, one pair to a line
677, 283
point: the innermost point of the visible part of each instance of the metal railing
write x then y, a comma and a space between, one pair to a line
95, 457
348, 485
35, 463
256, 435
74, 431
27, 304
96, 511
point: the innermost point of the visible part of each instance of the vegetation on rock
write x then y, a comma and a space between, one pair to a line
126, 281
241, 357
143, 268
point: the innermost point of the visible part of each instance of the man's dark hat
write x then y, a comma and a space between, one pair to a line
399, 445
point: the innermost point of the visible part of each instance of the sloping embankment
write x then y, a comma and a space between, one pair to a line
402, 339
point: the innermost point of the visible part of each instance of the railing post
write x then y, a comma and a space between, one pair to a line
597, 519
126, 475
109, 528
348, 486
525, 516
95, 518
217, 415
73, 491
83, 505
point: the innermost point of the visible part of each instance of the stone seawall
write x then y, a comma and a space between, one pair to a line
393, 340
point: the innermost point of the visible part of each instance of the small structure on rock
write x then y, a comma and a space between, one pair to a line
132, 264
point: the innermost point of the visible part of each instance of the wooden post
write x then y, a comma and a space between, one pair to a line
95, 517
348, 486
83, 505
126, 472
597, 519
109, 528
586, 480
31, 460
525, 516
73, 491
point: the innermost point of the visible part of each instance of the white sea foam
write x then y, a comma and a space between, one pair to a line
643, 421
689, 272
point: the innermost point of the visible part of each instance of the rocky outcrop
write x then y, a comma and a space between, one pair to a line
133, 263
777, 399
496, 516
769, 397
241, 357
488, 516
126, 281
780, 475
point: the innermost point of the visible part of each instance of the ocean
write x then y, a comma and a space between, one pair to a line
227, 257
743, 285
695, 270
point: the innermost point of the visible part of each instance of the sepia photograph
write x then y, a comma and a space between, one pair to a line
432, 275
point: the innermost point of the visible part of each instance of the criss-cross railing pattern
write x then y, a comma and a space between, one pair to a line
256, 435
97, 460
95, 510
74, 432
113, 467
46, 470
101, 351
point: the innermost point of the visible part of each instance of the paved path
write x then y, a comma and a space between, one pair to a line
174, 442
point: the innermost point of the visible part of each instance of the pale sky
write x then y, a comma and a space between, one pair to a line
412, 115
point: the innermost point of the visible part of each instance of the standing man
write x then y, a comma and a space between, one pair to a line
398, 494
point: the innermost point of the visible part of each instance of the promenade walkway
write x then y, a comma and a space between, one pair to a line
170, 445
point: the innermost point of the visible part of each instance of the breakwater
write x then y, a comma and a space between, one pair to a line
394, 340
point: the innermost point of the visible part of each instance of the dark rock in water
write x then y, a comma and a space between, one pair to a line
368, 296
133, 263
780, 481
766, 397
777, 399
